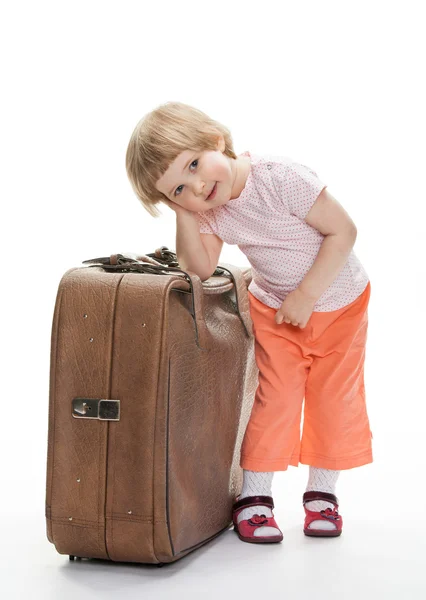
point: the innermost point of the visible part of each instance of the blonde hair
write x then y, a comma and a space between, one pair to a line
159, 137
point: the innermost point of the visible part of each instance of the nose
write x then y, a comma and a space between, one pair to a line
199, 187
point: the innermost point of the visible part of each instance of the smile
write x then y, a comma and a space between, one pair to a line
212, 193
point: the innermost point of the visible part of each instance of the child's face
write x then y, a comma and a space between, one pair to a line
192, 176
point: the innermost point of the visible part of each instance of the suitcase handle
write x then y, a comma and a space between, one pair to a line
160, 258
164, 261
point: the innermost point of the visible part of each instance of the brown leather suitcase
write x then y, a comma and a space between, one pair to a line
152, 380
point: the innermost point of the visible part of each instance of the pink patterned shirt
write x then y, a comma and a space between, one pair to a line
267, 223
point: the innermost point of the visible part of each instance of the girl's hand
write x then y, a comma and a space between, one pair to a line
176, 207
296, 309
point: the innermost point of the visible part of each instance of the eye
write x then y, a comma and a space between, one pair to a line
181, 186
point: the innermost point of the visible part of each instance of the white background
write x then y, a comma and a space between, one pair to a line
338, 86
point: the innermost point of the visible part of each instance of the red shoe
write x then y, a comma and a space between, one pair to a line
330, 515
246, 528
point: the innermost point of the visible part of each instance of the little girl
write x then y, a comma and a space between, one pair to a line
308, 296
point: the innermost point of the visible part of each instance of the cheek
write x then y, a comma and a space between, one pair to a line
219, 172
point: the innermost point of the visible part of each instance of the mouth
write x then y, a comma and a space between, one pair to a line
212, 193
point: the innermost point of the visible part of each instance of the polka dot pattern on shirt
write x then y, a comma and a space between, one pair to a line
267, 223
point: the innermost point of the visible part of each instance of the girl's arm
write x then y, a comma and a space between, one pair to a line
330, 260
330, 219
190, 250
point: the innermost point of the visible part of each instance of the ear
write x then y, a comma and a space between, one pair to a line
221, 143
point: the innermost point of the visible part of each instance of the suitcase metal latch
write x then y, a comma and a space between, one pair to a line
96, 408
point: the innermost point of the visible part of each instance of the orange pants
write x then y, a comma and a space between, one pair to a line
322, 364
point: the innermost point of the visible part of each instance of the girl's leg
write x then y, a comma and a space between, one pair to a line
336, 431
272, 437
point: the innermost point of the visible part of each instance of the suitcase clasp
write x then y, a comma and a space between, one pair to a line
96, 408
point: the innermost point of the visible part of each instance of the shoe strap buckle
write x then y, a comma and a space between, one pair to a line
258, 520
331, 514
